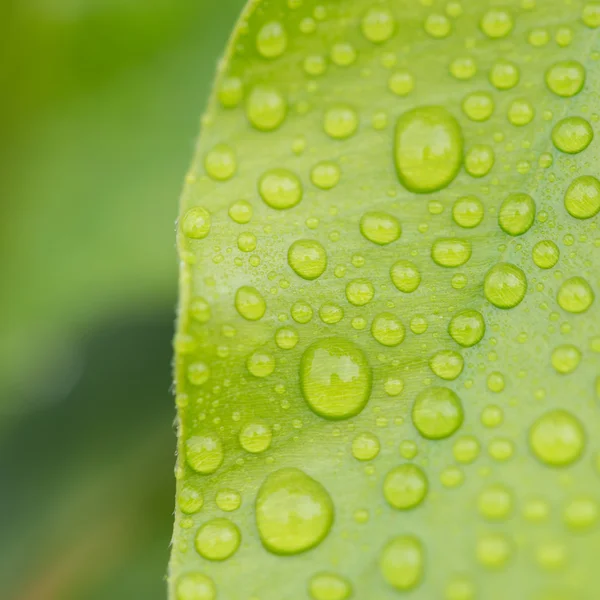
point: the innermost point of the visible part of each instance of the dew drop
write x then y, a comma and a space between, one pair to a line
249, 303
341, 122
246, 242
467, 212
405, 276
402, 562
438, 26
545, 254
307, 258
504, 75
256, 437
380, 228
493, 550
198, 373
460, 588
217, 539
405, 486
565, 358
566, 78
325, 175
494, 503
271, 40
204, 453
200, 310
575, 295
195, 586
241, 212
557, 438
447, 364
231, 92
220, 163
365, 446
581, 513
335, 378
280, 189
590, 15
387, 329
479, 160
505, 285
401, 83
521, 112
360, 292
196, 223
286, 338
466, 449
260, 364
343, 54
463, 68
437, 413
451, 252
329, 586
294, 512
301, 312
467, 328
572, 135
331, 313
266, 108
378, 25
582, 199
478, 106
189, 498
496, 23
228, 500
428, 149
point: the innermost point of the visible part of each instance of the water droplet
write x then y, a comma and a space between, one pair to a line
538, 37
380, 228
189, 498
256, 437
493, 550
329, 586
582, 199
241, 212
479, 160
496, 23
572, 135
575, 295
315, 65
378, 25
581, 513
504, 75
393, 386
365, 446
195, 586
246, 241
401, 83
438, 26
428, 149
466, 449
260, 364
468, 212
271, 40
437, 413
266, 108
341, 122
402, 562
467, 328
335, 378
301, 312
418, 324
545, 254
505, 285
360, 292
387, 329
495, 502
451, 252
204, 453
280, 189
286, 338
521, 112
343, 54
565, 358
196, 223
220, 163
405, 276
447, 364
198, 373
331, 313
405, 486
249, 303
492, 416
294, 512
566, 78
200, 310
217, 539
228, 500
590, 15
460, 588
463, 68
501, 449
495, 382
231, 92
307, 258
326, 175
478, 106
557, 438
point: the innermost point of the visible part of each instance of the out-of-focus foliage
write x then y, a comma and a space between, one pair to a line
100, 106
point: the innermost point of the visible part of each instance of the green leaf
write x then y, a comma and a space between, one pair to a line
387, 353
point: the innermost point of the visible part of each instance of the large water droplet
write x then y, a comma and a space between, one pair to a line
437, 413
505, 285
467, 328
294, 512
582, 199
557, 438
572, 135
428, 149
335, 378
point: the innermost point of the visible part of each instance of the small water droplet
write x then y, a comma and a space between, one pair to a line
437, 413
466, 449
301, 312
447, 364
280, 189
250, 303
521, 112
271, 40
405, 486
231, 92
452, 252
438, 26
402, 562
307, 258
478, 106
495, 502
196, 586
260, 364
189, 498
286, 338
590, 15
196, 223
572, 135
557, 438
496, 23
575, 295
582, 198
220, 163
331, 313
360, 292
378, 25
266, 108
581, 513
326, 175
565, 358
256, 437
365, 446
341, 122
545, 254
387, 329
566, 78
401, 83
504, 75
479, 160
505, 285
241, 212
467, 328
228, 500
493, 550
468, 212
198, 373
204, 453
405, 276
217, 539
380, 228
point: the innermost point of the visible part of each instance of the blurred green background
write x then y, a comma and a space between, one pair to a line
101, 102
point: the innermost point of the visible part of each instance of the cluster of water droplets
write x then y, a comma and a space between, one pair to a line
347, 334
